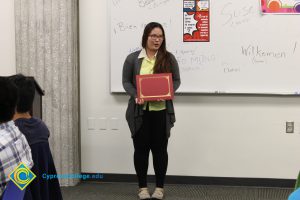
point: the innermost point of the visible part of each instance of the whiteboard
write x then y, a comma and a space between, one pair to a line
247, 53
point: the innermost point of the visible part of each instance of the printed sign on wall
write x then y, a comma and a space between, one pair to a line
280, 6
195, 20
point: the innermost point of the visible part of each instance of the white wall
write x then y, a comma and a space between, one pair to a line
7, 38
220, 136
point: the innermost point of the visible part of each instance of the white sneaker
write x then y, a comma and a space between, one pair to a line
158, 193
143, 193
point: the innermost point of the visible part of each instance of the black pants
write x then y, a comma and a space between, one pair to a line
152, 136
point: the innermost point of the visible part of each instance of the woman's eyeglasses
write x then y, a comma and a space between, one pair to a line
155, 37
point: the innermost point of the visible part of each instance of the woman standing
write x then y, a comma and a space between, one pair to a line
150, 122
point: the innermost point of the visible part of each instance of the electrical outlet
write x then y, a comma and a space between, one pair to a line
114, 123
91, 123
102, 123
289, 127
297, 127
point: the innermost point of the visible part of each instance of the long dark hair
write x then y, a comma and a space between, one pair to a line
163, 60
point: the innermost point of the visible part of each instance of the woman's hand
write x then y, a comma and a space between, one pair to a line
139, 101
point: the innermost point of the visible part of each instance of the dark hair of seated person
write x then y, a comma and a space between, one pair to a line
26, 92
8, 99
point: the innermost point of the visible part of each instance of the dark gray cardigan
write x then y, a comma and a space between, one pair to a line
134, 112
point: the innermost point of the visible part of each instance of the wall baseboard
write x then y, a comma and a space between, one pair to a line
199, 180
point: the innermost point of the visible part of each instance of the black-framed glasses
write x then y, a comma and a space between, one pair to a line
155, 37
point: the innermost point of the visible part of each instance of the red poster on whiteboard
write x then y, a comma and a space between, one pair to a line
196, 21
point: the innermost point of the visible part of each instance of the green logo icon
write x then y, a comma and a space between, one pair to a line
22, 176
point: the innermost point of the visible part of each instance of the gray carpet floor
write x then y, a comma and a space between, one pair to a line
127, 191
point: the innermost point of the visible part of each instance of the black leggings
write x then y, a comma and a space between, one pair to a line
151, 136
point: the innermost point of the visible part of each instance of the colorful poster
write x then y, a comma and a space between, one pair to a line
280, 6
196, 20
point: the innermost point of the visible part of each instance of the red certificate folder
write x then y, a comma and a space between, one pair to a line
153, 87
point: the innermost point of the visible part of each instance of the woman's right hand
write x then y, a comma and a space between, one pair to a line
139, 101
